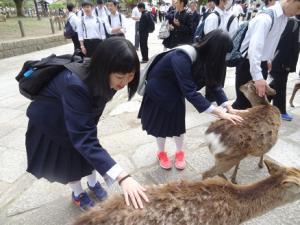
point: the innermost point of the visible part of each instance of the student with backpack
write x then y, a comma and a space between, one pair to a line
116, 19
71, 32
101, 10
92, 30
61, 139
176, 76
146, 26
259, 45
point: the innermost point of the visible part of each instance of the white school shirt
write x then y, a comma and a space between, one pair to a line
115, 21
102, 12
91, 27
211, 22
73, 19
237, 10
136, 12
261, 40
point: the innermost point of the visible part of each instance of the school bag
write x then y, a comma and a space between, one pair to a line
199, 33
151, 25
164, 31
68, 30
190, 50
234, 57
35, 74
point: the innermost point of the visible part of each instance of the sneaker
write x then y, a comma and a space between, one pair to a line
179, 160
99, 191
164, 161
286, 117
83, 201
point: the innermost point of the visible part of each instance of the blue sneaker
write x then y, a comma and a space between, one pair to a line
99, 191
83, 201
286, 117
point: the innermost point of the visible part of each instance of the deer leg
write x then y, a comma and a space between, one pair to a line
261, 162
233, 176
296, 87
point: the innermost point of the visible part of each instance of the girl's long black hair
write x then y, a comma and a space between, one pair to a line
210, 65
114, 55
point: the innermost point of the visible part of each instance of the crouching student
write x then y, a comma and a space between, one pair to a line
61, 140
175, 78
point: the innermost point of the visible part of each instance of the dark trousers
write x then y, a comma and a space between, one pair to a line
144, 45
137, 35
161, 16
76, 43
91, 45
279, 85
243, 76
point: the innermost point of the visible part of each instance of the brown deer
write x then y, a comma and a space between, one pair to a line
296, 88
255, 136
214, 201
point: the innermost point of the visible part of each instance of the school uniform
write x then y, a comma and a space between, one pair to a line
72, 18
169, 82
102, 12
285, 62
117, 20
144, 34
136, 13
259, 45
92, 30
61, 138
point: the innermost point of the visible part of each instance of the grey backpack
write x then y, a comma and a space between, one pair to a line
233, 58
190, 50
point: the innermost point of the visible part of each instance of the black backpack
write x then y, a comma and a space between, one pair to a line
199, 33
68, 30
34, 75
151, 24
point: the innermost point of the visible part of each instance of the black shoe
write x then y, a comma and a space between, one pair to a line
144, 61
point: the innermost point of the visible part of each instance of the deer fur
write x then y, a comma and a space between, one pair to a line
296, 88
256, 135
214, 201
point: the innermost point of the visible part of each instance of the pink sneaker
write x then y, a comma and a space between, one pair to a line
179, 160
164, 161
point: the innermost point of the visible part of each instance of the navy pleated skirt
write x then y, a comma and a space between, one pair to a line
53, 161
160, 122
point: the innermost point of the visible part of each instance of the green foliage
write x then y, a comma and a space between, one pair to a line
7, 3
57, 5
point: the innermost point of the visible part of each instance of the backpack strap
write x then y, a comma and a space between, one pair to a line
232, 17
189, 50
120, 18
96, 11
83, 26
271, 14
109, 19
219, 17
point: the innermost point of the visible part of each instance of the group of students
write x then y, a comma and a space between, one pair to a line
61, 140
93, 25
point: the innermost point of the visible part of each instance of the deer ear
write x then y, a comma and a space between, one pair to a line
292, 184
273, 168
270, 91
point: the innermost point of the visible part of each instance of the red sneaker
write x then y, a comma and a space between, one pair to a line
164, 161
179, 160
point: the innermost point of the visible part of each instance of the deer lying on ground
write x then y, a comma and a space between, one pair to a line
214, 201
255, 136
296, 87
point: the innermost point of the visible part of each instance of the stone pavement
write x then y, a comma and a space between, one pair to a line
26, 200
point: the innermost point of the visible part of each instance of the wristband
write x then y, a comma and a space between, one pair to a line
124, 178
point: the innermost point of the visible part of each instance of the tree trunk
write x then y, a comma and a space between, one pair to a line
19, 6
